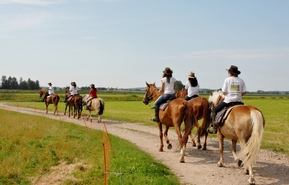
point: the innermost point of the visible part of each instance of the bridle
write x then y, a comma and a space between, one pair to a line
150, 97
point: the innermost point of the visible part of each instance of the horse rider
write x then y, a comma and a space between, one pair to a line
233, 89
167, 88
50, 91
192, 86
92, 94
72, 90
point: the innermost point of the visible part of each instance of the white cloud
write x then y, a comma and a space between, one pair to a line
31, 2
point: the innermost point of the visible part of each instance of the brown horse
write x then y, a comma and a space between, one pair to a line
182, 93
52, 99
75, 102
246, 124
202, 110
97, 104
178, 111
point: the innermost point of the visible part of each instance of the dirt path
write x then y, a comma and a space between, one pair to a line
200, 166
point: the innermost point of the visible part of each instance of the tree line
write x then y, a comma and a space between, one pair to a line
12, 83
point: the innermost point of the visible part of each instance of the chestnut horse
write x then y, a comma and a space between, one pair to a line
246, 124
202, 110
177, 111
75, 102
97, 104
52, 99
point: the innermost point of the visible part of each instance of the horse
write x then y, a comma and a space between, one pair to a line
202, 110
52, 99
177, 111
75, 102
97, 104
181, 93
246, 124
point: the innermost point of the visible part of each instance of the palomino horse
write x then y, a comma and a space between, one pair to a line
52, 99
202, 110
97, 104
178, 111
75, 102
246, 124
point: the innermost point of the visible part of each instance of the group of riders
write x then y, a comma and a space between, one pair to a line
72, 92
233, 89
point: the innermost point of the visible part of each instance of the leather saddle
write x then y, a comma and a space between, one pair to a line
224, 113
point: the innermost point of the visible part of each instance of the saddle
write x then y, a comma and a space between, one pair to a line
163, 106
224, 113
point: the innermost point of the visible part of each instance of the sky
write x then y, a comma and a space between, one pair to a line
126, 43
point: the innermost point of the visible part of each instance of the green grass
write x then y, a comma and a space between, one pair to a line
31, 145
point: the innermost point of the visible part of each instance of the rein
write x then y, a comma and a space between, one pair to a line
150, 97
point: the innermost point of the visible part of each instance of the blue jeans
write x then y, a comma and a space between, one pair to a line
162, 99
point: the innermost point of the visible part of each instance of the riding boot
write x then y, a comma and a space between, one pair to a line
156, 118
214, 125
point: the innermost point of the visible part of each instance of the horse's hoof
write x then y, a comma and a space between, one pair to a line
251, 181
199, 147
182, 161
169, 146
204, 148
194, 144
240, 163
161, 150
220, 164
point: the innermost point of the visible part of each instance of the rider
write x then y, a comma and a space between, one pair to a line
233, 89
168, 90
50, 91
72, 90
192, 86
92, 94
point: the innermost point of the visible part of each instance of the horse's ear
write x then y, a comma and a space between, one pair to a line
147, 84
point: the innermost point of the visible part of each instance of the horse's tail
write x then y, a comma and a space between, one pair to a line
80, 103
101, 107
249, 153
189, 120
203, 130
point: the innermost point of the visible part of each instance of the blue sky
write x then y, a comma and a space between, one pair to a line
124, 43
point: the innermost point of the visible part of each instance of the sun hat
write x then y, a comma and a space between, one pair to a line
234, 70
191, 75
167, 71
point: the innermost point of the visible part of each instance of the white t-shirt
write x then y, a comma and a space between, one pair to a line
73, 90
192, 90
50, 90
169, 87
234, 87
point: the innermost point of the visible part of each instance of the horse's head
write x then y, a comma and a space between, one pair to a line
181, 93
41, 92
215, 97
149, 93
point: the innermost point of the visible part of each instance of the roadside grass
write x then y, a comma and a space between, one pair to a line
31, 145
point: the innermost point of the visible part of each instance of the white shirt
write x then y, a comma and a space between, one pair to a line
192, 90
234, 87
50, 90
169, 87
73, 90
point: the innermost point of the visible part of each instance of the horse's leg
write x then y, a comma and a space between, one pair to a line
193, 140
161, 137
248, 169
221, 148
46, 107
169, 145
234, 150
65, 109
205, 141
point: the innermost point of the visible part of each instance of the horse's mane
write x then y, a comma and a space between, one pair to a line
213, 98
